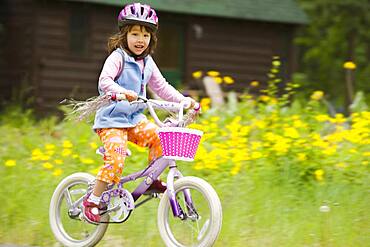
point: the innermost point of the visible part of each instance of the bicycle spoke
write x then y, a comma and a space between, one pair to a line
75, 229
203, 230
78, 192
191, 230
65, 212
85, 234
68, 197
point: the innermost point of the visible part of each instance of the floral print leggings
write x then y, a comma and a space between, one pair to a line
115, 145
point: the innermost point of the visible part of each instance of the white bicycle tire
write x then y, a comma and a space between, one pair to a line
213, 201
57, 230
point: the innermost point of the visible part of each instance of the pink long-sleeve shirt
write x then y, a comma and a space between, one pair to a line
157, 83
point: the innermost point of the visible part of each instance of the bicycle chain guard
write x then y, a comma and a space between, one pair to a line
120, 203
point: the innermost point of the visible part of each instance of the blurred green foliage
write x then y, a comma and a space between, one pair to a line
337, 32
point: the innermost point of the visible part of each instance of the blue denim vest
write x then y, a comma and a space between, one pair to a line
121, 114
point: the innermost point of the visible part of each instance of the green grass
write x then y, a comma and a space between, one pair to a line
256, 212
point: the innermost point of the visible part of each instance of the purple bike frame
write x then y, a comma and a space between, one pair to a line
151, 173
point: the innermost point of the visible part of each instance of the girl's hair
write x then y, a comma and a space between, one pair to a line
119, 40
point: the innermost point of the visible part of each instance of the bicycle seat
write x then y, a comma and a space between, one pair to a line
101, 151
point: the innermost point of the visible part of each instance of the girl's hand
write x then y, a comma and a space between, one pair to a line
130, 95
188, 102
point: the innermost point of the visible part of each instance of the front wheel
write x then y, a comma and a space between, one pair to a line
65, 213
202, 222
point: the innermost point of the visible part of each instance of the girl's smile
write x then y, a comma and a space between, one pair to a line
138, 39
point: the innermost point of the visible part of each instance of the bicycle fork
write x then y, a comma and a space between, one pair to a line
177, 211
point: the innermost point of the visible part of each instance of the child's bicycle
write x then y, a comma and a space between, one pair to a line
189, 212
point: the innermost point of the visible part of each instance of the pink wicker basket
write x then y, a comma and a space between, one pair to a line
179, 143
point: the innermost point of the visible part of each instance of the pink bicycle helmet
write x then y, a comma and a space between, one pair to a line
137, 13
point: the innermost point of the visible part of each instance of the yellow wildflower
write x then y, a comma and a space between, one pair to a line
218, 79
336, 136
137, 147
214, 119
47, 165
244, 130
366, 154
256, 145
256, 155
299, 124
211, 164
355, 137
281, 148
276, 63
57, 172
291, 132
196, 126
205, 103
58, 162
254, 83
49, 146
322, 118
228, 80
67, 144
273, 101
197, 74
44, 157
260, 124
66, 152
319, 174
36, 154
329, 150
10, 163
339, 118
213, 73
264, 98
87, 161
318, 142
341, 165
93, 145
210, 134
302, 156
95, 170
235, 170
349, 65
317, 95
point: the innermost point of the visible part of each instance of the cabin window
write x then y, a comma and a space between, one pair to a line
169, 54
79, 27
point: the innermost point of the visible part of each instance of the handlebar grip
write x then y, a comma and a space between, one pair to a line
117, 96
197, 107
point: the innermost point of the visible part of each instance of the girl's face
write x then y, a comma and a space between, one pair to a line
138, 39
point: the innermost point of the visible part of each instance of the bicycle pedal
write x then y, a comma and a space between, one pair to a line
83, 219
158, 195
116, 208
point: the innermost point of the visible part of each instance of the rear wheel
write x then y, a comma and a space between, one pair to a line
65, 221
202, 223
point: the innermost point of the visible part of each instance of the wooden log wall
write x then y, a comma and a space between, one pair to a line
240, 49
38, 50
62, 73
3, 17
16, 47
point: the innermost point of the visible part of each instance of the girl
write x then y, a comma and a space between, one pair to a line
128, 69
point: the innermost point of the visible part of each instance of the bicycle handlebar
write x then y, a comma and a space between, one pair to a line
152, 104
